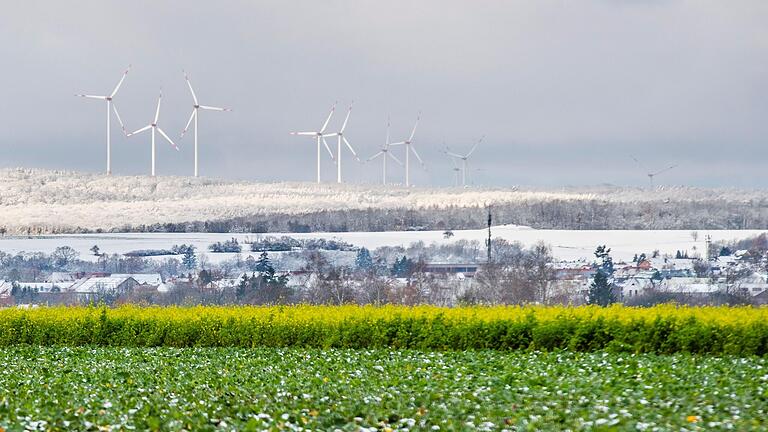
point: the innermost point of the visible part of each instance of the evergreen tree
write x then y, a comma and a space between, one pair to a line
606, 262
364, 261
395, 267
600, 292
204, 278
402, 267
189, 259
657, 276
242, 287
264, 266
601, 289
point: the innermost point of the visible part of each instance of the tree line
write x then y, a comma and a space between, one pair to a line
579, 214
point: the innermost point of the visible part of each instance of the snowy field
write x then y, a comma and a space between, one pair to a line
566, 244
60, 200
43, 201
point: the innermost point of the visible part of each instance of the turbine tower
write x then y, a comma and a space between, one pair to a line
194, 115
384, 153
464, 160
650, 173
319, 136
408, 149
155, 128
110, 108
340, 137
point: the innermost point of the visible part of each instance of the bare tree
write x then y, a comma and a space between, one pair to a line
516, 276
327, 284
374, 289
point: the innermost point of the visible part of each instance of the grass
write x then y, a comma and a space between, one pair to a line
108, 388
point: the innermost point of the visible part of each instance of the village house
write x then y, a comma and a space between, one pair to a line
94, 288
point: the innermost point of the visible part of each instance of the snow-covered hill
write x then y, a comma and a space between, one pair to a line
44, 201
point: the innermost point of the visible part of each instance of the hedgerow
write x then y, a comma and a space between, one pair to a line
663, 329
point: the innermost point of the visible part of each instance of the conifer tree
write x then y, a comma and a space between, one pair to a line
601, 290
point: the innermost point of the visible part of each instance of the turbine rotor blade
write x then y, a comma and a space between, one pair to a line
454, 154
455, 165
413, 149
386, 144
344, 125
395, 159
119, 120
212, 108
92, 96
638, 162
327, 147
413, 132
189, 84
475, 146
140, 130
349, 146
167, 138
333, 108
117, 87
664, 170
157, 111
397, 143
374, 156
189, 122
304, 133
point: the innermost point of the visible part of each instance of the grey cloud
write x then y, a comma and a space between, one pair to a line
564, 91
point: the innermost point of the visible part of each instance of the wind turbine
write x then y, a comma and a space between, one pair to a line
155, 128
457, 171
194, 115
464, 160
384, 153
320, 137
110, 108
340, 137
651, 174
473, 179
408, 149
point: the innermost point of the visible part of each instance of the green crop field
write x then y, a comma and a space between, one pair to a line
111, 388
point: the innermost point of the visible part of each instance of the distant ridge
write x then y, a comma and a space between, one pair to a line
37, 201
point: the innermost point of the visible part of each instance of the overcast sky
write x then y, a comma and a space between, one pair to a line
565, 91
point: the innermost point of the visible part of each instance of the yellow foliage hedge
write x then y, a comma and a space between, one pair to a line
662, 329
